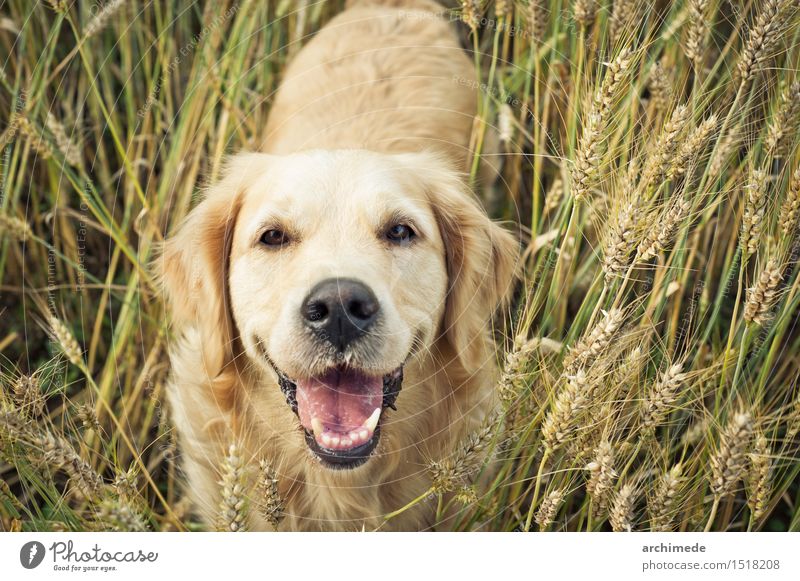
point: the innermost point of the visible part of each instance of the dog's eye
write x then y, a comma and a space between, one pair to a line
400, 233
274, 237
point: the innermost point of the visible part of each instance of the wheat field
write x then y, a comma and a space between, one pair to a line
651, 167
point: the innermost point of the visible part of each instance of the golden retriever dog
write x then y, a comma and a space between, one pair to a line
334, 292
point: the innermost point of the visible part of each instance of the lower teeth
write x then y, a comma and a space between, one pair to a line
355, 437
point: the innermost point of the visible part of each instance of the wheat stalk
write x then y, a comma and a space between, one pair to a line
87, 417
126, 484
7, 494
587, 161
614, 78
728, 143
627, 372
695, 432
505, 123
793, 421
58, 5
466, 495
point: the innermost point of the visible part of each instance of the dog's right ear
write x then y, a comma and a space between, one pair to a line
193, 266
481, 257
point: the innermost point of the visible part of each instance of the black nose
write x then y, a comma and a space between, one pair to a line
340, 310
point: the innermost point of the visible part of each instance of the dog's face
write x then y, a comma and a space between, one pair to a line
332, 270
336, 274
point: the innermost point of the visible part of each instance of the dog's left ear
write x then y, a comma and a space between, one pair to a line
482, 260
193, 265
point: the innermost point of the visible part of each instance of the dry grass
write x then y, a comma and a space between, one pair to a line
651, 358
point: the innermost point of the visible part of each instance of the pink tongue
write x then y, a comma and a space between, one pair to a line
341, 399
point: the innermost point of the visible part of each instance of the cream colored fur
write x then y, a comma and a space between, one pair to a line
371, 119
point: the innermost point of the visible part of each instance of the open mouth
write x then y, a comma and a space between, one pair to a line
341, 410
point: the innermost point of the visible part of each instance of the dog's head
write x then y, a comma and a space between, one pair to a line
331, 270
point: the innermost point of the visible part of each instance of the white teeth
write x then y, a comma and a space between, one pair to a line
372, 421
333, 440
316, 425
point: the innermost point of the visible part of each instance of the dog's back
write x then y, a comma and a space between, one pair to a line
386, 76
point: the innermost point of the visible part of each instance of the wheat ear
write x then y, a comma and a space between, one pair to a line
762, 38
584, 12
698, 31
14, 227
785, 122
729, 462
664, 393
232, 508
622, 512
103, 16
763, 296
754, 208
601, 475
759, 480
790, 209
549, 508
661, 507
272, 507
